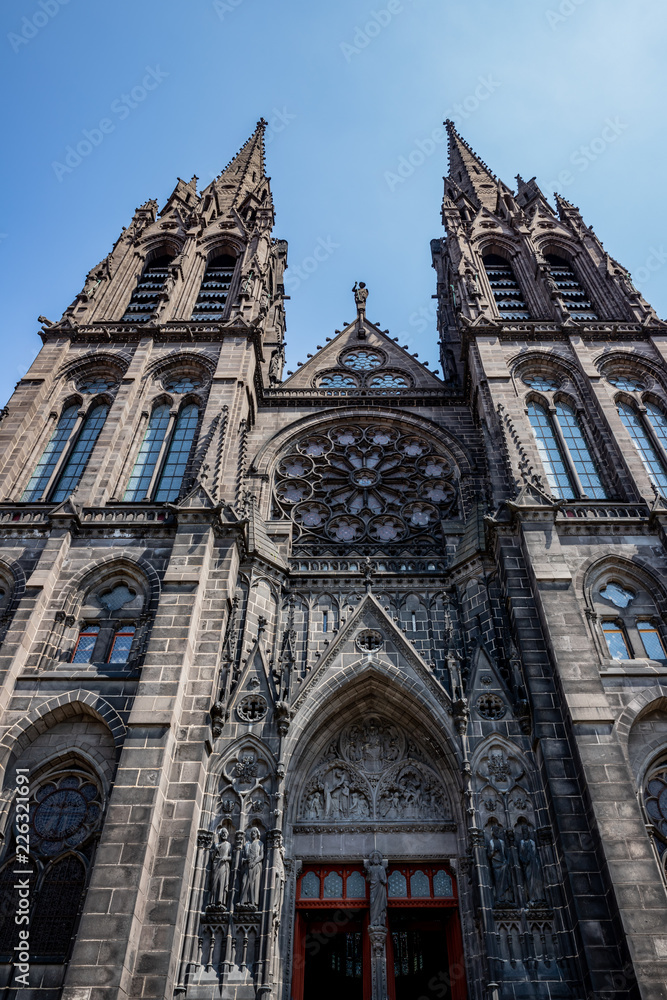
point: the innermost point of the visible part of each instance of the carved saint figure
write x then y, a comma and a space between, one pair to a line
376, 873
500, 866
221, 857
314, 805
360, 296
530, 865
276, 366
253, 855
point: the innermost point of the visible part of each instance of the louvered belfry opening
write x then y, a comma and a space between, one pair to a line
210, 304
572, 293
146, 295
506, 291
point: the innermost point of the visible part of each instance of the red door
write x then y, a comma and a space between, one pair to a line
332, 949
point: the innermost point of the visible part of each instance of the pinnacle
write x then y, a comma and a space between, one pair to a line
469, 172
247, 168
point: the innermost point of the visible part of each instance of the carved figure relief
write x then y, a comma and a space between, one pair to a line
253, 856
499, 863
372, 772
221, 856
376, 874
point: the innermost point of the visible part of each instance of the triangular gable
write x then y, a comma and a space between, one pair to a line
255, 677
370, 614
396, 358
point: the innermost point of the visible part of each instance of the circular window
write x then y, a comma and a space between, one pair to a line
390, 380
362, 360
337, 381
295, 467
184, 383
628, 384
345, 529
490, 706
386, 529
541, 382
369, 640
252, 708
97, 385
67, 809
293, 492
314, 446
311, 515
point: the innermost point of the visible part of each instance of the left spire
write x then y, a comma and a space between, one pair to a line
244, 174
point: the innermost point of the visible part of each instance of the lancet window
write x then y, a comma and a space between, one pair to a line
649, 435
149, 288
505, 287
163, 457
214, 289
570, 467
631, 625
75, 438
111, 617
572, 292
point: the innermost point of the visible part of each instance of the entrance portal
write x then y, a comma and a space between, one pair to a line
332, 955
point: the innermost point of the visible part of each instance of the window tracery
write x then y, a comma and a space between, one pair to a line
655, 803
628, 618
362, 359
365, 481
568, 461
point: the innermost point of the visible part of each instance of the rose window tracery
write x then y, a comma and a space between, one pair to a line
365, 482
362, 359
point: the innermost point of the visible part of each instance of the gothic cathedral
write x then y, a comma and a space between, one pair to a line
350, 683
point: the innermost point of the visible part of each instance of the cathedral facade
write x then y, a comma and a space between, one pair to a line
350, 681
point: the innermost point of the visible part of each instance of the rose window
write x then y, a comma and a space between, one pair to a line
337, 382
66, 811
100, 384
362, 360
390, 380
364, 482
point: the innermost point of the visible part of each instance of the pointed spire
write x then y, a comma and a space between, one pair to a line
246, 171
470, 173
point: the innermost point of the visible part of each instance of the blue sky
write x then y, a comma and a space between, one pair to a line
569, 89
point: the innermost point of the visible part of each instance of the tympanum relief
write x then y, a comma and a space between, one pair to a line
372, 773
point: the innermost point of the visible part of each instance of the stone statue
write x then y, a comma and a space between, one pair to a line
253, 856
530, 865
376, 874
248, 283
276, 367
221, 857
360, 296
500, 866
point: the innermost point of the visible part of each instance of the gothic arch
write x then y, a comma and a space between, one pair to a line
120, 562
77, 366
66, 705
648, 700
219, 772
353, 692
176, 357
640, 363
636, 568
264, 460
549, 361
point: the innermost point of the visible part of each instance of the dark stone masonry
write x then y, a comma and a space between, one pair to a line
352, 683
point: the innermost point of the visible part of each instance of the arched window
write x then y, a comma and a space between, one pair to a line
570, 468
121, 645
217, 280
112, 616
45, 467
57, 905
629, 618
655, 803
505, 287
85, 644
648, 452
78, 460
178, 454
572, 293
146, 295
149, 453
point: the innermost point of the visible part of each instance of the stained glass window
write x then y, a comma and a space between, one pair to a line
183, 384
85, 644
144, 467
337, 382
541, 382
617, 595
78, 460
442, 884
649, 456
550, 453
651, 640
628, 384
122, 644
57, 908
97, 385
397, 886
579, 453
54, 449
310, 886
178, 454
333, 886
356, 886
616, 641
362, 360
658, 422
391, 380
655, 800
419, 884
